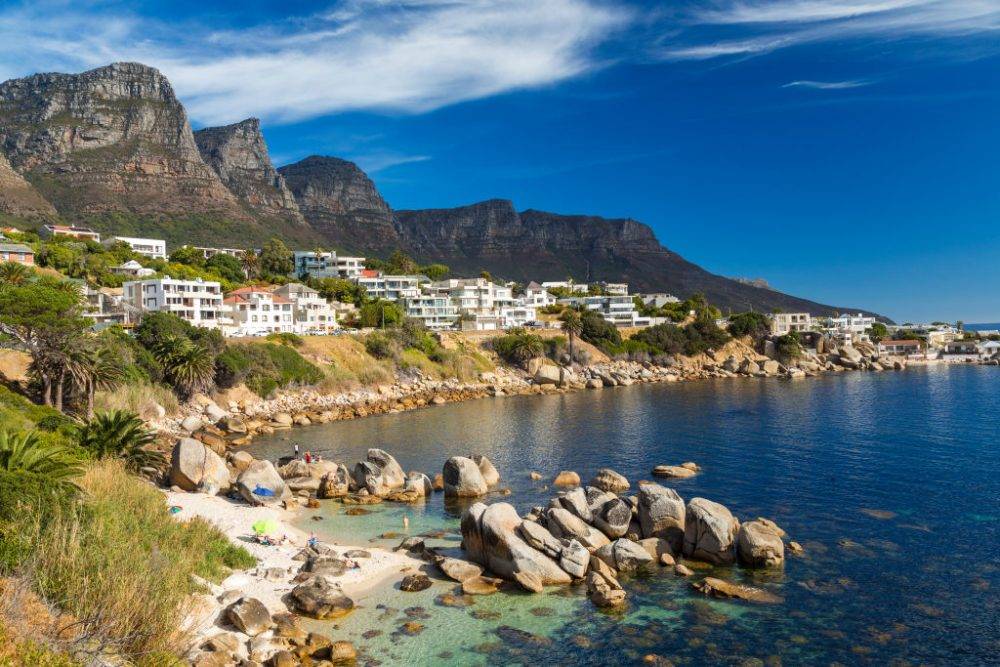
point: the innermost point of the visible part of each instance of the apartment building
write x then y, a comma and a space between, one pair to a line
311, 313
72, 231
517, 316
475, 296
199, 302
211, 252
614, 289
536, 296
154, 248
327, 265
899, 348
569, 285
255, 311
619, 310
132, 268
17, 253
435, 311
784, 323
392, 288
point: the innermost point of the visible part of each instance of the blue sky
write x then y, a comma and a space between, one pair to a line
844, 150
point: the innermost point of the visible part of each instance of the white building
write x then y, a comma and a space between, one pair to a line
536, 296
256, 311
619, 310
851, 326
659, 299
517, 316
154, 248
132, 268
783, 323
211, 252
199, 302
436, 312
614, 289
350, 267
392, 288
311, 313
572, 287
474, 295
72, 231
327, 265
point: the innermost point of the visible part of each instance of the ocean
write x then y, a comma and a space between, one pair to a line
891, 482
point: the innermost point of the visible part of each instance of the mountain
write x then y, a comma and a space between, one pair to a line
340, 202
238, 155
113, 148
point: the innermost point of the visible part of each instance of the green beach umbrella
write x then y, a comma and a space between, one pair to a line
265, 527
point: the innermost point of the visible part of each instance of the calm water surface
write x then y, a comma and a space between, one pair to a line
915, 582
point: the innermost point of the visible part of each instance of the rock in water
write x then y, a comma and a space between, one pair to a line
538, 537
759, 545
604, 591
575, 502
562, 523
709, 532
624, 555
459, 569
487, 469
419, 483
249, 616
719, 588
318, 598
613, 518
368, 476
661, 513
609, 480
260, 484
574, 559
462, 478
415, 582
335, 484
567, 478
392, 472
679, 472
195, 467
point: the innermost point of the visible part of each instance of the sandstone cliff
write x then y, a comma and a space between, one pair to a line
238, 154
112, 139
340, 202
18, 197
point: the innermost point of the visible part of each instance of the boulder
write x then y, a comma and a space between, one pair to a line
335, 484
458, 569
368, 476
249, 616
282, 419
487, 470
596, 498
661, 513
604, 591
240, 460
679, 472
195, 467
613, 517
720, 588
260, 484
413, 583
491, 532
214, 412
191, 424
759, 545
624, 555
749, 367
657, 547
607, 479
574, 559
548, 374
709, 532
566, 525
481, 585
392, 472
595, 383
539, 537
771, 367
567, 478
576, 502
318, 598
419, 484
462, 478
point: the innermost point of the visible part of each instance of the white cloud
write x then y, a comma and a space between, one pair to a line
397, 56
768, 25
827, 85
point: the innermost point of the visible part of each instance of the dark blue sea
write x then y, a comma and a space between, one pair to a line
891, 482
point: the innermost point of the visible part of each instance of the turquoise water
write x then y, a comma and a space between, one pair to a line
913, 582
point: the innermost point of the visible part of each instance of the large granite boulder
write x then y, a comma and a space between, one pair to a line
548, 374
336, 483
574, 559
607, 479
196, 468
463, 478
597, 497
249, 616
260, 484
576, 502
604, 590
419, 483
613, 517
369, 476
538, 537
563, 524
490, 537
709, 532
392, 473
758, 544
319, 598
661, 513
624, 555
487, 470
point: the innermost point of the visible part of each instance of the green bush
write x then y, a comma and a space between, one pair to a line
263, 367
598, 331
382, 346
753, 324
518, 346
788, 346
286, 338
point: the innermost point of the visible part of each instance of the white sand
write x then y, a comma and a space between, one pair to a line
236, 519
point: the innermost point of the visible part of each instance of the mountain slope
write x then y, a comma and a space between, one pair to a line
18, 197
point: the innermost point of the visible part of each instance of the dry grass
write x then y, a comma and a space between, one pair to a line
122, 566
141, 399
29, 629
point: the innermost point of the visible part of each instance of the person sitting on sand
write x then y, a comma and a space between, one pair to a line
312, 541
308, 457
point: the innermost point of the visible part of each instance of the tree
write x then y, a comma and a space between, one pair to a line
276, 259
92, 368
753, 324
878, 332
188, 366
486, 275
13, 273
251, 263
121, 435
598, 331
227, 266
339, 289
573, 326
401, 264
435, 271
24, 452
188, 255
518, 346
380, 313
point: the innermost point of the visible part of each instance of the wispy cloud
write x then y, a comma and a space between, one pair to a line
390, 55
754, 27
827, 85
378, 161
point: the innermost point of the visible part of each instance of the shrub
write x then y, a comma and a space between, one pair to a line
380, 313
662, 339
702, 335
264, 367
286, 338
788, 346
598, 331
382, 346
518, 346
753, 324
120, 435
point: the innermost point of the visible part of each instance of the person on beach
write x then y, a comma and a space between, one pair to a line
312, 541
296, 450
308, 457
406, 523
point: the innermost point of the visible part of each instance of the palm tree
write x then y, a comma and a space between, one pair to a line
190, 367
91, 370
251, 262
121, 435
572, 324
24, 452
13, 273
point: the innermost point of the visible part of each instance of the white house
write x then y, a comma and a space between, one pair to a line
211, 252
311, 313
614, 289
132, 268
854, 326
536, 296
327, 265
569, 285
517, 316
199, 302
436, 312
658, 299
350, 267
72, 231
392, 288
154, 248
474, 295
899, 348
783, 323
619, 310
256, 311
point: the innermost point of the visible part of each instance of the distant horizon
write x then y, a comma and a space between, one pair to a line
840, 151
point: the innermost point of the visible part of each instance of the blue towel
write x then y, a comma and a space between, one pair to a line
262, 491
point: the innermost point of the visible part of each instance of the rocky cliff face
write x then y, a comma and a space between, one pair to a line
18, 197
340, 202
238, 154
112, 139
